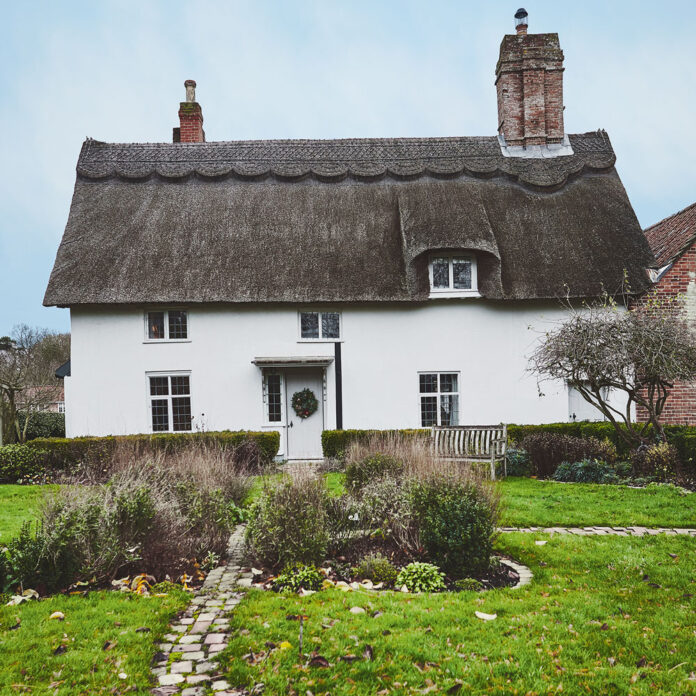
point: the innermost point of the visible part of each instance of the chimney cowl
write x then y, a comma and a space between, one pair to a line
190, 118
521, 22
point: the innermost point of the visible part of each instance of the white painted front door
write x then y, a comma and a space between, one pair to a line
304, 434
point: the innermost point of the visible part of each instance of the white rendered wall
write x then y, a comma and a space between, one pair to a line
383, 349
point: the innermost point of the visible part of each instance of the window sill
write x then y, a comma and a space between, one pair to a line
445, 294
320, 340
167, 340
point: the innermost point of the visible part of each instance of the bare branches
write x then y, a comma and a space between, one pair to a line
602, 349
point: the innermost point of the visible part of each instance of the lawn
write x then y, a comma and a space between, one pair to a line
31, 660
528, 502
603, 615
18, 504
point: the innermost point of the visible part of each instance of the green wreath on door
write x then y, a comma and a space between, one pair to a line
304, 403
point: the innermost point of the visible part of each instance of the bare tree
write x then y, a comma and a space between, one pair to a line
641, 354
28, 360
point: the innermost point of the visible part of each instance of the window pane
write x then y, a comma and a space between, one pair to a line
181, 413
155, 324
178, 325
448, 382
274, 403
159, 386
181, 385
160, 415
309, 325
461, 273
428, 383
449, 410
329, 325
428, 411
441, 273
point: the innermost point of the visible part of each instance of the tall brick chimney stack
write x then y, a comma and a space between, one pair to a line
190, 118
529, 81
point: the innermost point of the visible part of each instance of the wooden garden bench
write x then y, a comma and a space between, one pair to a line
471, 443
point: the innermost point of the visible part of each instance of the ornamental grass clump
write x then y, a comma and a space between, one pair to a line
289, 523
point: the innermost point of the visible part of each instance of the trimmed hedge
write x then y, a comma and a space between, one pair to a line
43, 424
18, 461
334, 443
65, 452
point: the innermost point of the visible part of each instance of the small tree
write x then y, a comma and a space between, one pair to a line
28, 360
640, 353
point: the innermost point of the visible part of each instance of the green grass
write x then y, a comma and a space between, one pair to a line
588, 623
17, 505
28, 663
528, 502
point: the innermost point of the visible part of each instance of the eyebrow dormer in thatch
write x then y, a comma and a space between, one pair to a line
342, 221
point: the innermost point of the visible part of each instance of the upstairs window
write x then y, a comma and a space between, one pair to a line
452, 275
320, 326
167, 325
170, 402
439, 398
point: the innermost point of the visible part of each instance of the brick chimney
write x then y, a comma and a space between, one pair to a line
529, 80
190, 118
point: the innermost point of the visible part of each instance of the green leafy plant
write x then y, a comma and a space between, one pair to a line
421, 577
457, 520
547, 450
586, 471
289, 523
518, 462
377, 568
659, 461
468, 585
20, 462
297, 576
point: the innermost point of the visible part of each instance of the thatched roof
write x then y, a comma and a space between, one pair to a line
341, 220
672, 236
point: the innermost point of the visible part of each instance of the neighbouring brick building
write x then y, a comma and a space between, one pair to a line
673, 241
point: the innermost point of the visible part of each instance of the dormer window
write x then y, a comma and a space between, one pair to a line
453, 275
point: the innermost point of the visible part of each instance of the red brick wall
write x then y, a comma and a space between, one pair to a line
680, 408
191, 123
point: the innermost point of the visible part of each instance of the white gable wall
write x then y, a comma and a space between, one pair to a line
383, 349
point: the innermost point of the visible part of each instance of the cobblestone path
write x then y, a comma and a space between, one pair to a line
604, 531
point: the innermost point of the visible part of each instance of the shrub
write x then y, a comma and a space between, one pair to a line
289, 523
335, 443
421, 577
19, 462
297, 576
64, 453
586, 471
457, 520
548, 450
371, 468
518, 463
468, 585
377, 568
43, 424
659, 461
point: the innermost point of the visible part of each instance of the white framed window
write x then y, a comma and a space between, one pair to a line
452, 275
61, 407
169, 398
166, 325
319, 326
439, 398
273, 397
581, 410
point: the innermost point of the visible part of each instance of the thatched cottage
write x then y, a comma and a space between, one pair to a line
299, 285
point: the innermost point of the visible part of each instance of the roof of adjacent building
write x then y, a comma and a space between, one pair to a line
342, 220
672, 236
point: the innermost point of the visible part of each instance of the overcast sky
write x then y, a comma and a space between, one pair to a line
114, 71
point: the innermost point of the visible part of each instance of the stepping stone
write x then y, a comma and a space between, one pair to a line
170, 679
190, 647
197, 678
193, 691
221, 685
188, 640
217, 648
202, 667
183, 667
213, 638
197, 656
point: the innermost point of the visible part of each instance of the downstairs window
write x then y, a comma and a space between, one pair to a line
439, 398
170, 402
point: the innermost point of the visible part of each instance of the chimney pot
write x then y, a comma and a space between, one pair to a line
521, 23
190, 86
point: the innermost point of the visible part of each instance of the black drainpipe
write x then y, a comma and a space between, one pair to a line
339, 386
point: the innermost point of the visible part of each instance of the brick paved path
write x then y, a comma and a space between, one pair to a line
182, 665
603, 531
